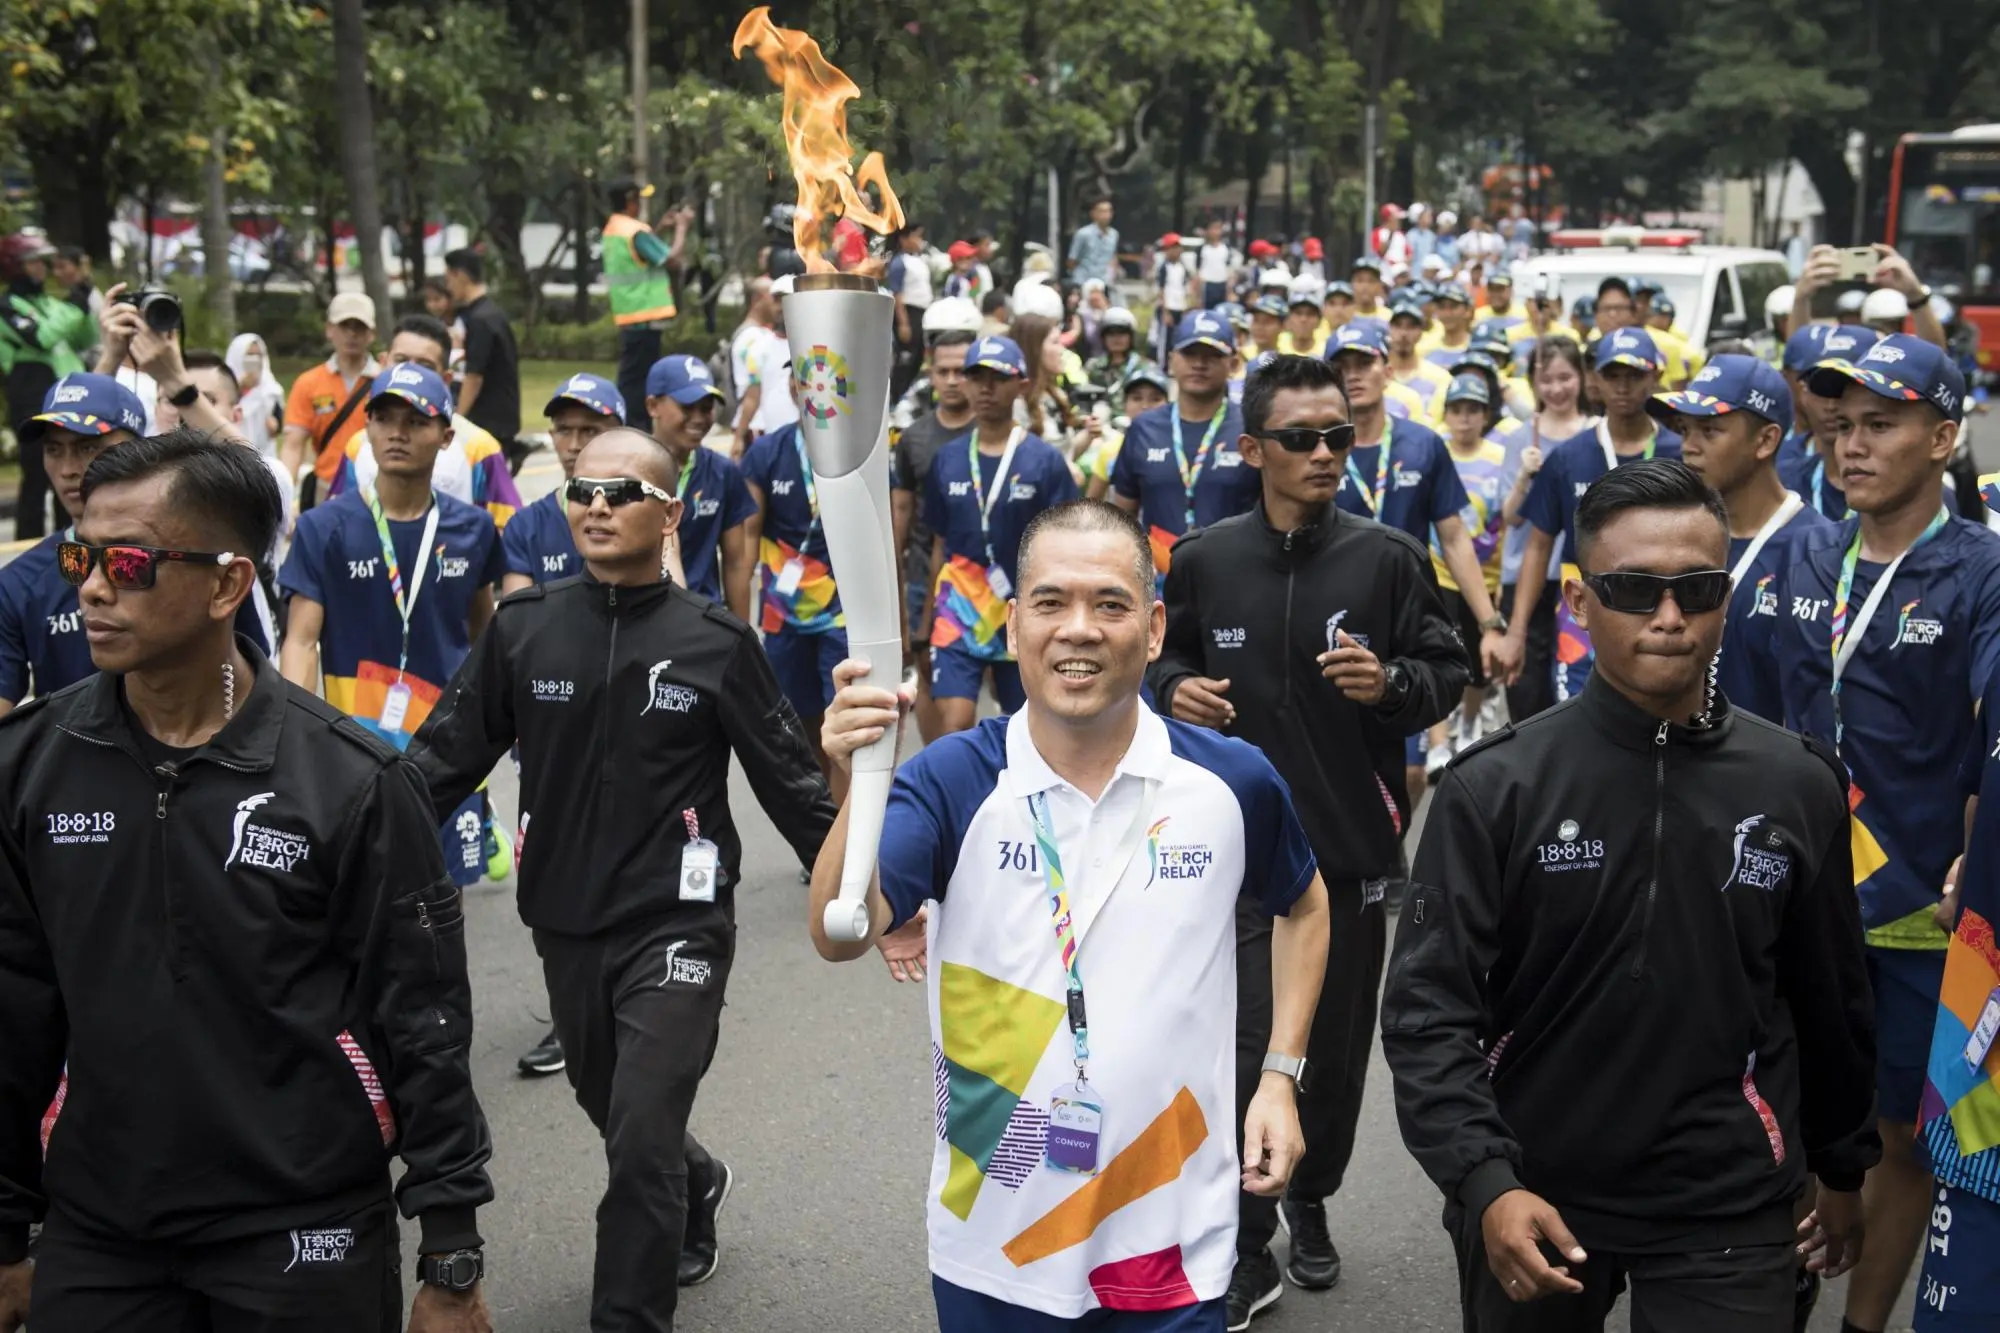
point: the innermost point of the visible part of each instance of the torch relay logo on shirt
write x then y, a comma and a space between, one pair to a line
665, 695
1185, 860
320, 1245
261, 845
1759, 863
1912, 628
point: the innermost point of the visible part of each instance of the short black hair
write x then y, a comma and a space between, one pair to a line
619, 192
1261, 390
200, 358
75, 254
1652, 483
992, 301
220, 486
953, 338
467, 262
1614, 283
434, 283
1091, 516
424, 326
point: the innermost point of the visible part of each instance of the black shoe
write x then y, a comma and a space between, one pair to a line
700, 1250
1313, 1263
1254, 1286
1805, 1295
546, 1058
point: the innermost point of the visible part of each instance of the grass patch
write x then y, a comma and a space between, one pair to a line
539, 381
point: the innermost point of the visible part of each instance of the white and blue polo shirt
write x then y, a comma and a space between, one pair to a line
1196, 820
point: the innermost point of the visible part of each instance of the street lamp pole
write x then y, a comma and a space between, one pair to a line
640, 62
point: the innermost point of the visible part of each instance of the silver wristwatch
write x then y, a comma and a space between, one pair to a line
1291, 1066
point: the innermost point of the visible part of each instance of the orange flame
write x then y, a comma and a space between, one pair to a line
816, 137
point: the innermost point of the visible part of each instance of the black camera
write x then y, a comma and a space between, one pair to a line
160, 308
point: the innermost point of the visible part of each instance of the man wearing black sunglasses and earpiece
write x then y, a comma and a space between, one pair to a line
232, 967
1320, 638
628, 696
1628, 1010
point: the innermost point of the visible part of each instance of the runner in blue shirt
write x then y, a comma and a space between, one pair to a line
1888, 642
1628, 371
389, 587
805, 632
983, 489
1179, 467
1802, 462
681, 398
1731, 418
537, 543
42, 644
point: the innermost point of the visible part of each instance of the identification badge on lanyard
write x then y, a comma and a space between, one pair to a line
1983, 1032
701, 863
996, 579
395, 706
790, 576
1076, 1128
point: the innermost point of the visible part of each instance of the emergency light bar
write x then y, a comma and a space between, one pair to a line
1625, 238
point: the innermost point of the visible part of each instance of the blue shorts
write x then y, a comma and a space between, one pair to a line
1416, 750
1959, 1291
963, 1311
803, 664
1906, 983
956, 674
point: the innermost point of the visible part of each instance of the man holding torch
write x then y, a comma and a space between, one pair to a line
1085, 1165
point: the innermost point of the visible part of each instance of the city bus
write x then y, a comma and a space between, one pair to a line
1944, 217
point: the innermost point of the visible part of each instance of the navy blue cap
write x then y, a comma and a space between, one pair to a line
1203, 328
1365, 261
1257, 363
685, 379
997, 353
1157, 378
1490, 330
1663, 306
1340, 289
87, 404
594, 392
1730, 382
1408, 309
1902, 367
1499, 349
1628, 347
1478, 359
1358, 335
1276, 305
1469, 389
419, 386
1815, 343
1452, 291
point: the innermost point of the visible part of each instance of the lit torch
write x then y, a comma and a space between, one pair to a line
839, 328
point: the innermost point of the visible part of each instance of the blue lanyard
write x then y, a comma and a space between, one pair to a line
812, 492
1191, 473
1374, 500
1843, 591
979, 491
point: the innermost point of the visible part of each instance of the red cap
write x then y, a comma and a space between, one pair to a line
1313, 249
1171, 238
961, 250
1259, 249
1390, 212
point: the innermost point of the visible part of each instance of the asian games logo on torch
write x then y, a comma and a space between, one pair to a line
824, 385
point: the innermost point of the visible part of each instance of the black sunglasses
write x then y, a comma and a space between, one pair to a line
1639, 594
127, 568
615, 490
1304, 439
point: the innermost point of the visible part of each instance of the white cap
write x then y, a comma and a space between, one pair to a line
1032, 296
1778, 305
1884, 303
1849, 303
951, 314
1277, 278
1418, 209
1447, 218
1306, 288
1436, 263
351, 305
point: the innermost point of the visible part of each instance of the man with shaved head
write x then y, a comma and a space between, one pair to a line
629, 856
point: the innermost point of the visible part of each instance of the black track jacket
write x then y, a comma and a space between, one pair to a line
626, 702
253, 965
1256, 607
1629, 977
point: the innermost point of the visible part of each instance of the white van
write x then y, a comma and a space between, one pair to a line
1718, 291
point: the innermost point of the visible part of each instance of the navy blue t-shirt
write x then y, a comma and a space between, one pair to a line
716, 501
1567, 471
537, 541
1745, 668
1147, 470
1421, 483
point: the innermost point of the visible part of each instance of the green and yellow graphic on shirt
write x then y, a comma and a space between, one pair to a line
994, 1036
1919, 929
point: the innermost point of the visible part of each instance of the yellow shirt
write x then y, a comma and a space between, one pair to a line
1317, 347
1429, 381
1413, 404
1683, 362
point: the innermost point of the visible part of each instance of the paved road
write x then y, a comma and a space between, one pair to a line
820, 1098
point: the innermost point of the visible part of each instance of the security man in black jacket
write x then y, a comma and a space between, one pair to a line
232, 966
1628, 1010
627, 696
1320, 638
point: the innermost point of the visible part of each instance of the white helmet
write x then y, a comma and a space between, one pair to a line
1848, 303
1306, 289
1276, 278
1778, 305
1885, 303
1118, 317
952, 314
1032, 296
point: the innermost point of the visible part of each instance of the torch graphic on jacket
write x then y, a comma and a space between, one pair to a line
838, 325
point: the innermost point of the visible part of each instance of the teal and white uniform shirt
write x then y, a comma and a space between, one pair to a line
1151, 873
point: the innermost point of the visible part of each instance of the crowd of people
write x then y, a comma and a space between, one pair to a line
1692, 992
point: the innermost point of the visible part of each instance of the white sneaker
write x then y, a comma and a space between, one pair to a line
1440, 755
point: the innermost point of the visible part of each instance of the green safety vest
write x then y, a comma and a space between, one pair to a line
64, 331
640, 292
